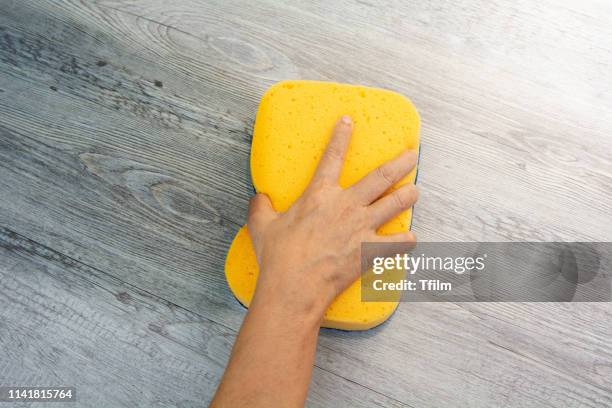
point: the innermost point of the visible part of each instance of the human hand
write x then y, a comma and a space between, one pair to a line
310, 253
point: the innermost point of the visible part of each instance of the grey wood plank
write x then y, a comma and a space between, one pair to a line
477, 355
65, 323
516, 128
148, 202
97, 170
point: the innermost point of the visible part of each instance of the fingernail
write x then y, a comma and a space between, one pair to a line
346, 119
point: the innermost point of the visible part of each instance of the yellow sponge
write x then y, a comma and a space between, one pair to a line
293, 125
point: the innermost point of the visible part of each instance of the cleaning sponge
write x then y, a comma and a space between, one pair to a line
292, 128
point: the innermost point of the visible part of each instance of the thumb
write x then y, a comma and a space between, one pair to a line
261, 213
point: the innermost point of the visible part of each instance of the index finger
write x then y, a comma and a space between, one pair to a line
331, 162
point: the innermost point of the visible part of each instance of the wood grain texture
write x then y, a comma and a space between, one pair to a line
516, 116
124, 142
63, 322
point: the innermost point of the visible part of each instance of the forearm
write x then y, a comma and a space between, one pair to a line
271, 363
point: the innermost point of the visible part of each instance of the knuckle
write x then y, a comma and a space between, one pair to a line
406, 196
253, 201
318, 189
310, 201
317, 185
400, 199
316, 196
385, 175
333, 152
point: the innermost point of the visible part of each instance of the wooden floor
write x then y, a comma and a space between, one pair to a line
124, 144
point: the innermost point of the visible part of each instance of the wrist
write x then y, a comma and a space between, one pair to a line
305, 303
